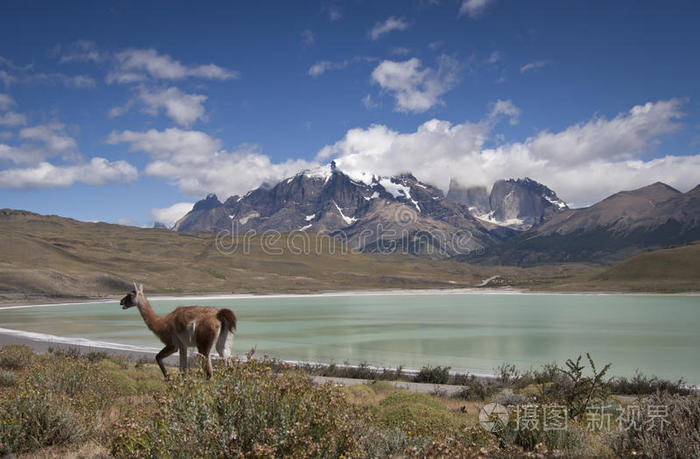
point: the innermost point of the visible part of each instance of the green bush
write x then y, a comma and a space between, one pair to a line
419, 414
243, 409
7, 378
35, 419
433, 375
15, 357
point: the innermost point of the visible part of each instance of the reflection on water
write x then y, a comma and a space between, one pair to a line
656, 334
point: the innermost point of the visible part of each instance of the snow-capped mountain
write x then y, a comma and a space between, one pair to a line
515, 203
370, 212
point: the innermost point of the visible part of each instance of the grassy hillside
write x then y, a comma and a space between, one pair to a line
675, 268
55, 257
50, 257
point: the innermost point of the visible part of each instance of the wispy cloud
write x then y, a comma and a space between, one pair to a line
535, 65
308, 38
474, 8
321, 67
391, 24
135, 65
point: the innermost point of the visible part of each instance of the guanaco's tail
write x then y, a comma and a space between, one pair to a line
228, 318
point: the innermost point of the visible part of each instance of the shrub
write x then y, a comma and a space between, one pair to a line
243, 409
15, 357
675, 434
433, 375
34, 419
640, 384
417, 413
7, 378
507, 373
474, 389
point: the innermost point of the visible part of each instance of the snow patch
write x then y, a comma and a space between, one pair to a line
308, 218
245, 219
508, 222
321, 172
557, 202
304, 228
348, 220
398, 190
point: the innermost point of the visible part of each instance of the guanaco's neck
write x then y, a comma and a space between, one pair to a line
150, 317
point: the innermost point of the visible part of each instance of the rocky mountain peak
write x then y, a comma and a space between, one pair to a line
516, 203
210, 202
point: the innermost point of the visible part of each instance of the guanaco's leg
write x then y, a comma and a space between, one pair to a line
165, 352
183, 358
204, 350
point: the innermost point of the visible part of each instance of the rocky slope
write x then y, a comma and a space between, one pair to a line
615, 228
516, 203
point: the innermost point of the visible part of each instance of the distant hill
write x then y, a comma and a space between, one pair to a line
622, 225
671, 268
54, 257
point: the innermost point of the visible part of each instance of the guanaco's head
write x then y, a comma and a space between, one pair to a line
133, 298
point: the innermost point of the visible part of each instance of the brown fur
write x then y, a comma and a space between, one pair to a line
186, 326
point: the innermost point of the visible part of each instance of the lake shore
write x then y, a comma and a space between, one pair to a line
30, 301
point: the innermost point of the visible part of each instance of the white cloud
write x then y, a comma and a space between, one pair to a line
98, 171
391, 24
133, 65
170, 215
81, 51
182, 108
494, 58
38, 143
368, 102
535, 65
321, 67
333, 10
583, 163
12, 119
6, 102
195, 162
507, 108
474, 8
416, 89
307, 37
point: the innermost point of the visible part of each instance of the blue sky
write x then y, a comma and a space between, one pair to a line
109, 110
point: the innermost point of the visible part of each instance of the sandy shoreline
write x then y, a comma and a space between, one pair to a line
46, 302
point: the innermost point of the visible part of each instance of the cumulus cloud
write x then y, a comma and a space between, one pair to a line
583, 163
474, 8
38, 143
98, 171
196, 163
535, 65
170, 215
416, 89
134, 65
33, 148
181, 107
6, 102
391, 24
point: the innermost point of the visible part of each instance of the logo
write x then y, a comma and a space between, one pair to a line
493, 416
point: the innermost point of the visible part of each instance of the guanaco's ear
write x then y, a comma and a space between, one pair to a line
140, 289
136, 287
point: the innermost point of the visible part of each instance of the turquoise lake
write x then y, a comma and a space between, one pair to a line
468, 332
